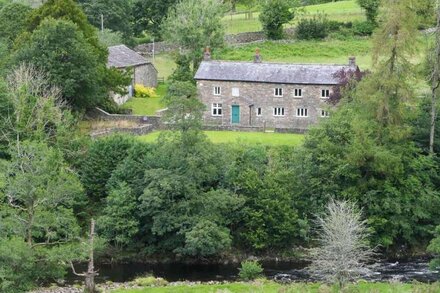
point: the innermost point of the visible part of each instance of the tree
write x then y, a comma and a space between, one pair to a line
371, 8
185, 111
32, 109
110, 38
274, 14
434, 78
59, 48
37, 207
193, 25
13, 21
116, 14
102, 157
148, 15
343, 249
67, 10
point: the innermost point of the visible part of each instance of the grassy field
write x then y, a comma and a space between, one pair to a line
243, 137
271, 287
147, 106
340, 11
334, 51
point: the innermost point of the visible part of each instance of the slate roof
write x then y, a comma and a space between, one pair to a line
319, 74
121, 56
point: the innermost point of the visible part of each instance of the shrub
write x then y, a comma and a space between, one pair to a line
144, 92
314, 28
363, 28
250, 270
150, 281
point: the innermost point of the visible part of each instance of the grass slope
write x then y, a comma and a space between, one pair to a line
242, 137
333, 51
271, 287
340, 11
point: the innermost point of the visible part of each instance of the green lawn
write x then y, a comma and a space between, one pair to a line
340, 11
243, 137
164, 64
147, 106
271, 287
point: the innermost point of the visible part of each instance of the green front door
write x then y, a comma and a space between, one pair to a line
235, 114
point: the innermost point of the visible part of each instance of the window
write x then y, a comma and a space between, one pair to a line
259, 113
325, 113
278, 92
298, 93
325, 94
235, 92
302, 112
217, 91
216, 109
278, 111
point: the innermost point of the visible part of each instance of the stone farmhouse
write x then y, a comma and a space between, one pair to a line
144, 72
287, 97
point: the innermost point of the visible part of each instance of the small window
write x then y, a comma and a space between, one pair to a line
302, 112
298, 93
235, 92
325, 113
278, 92
278, 111
325, 93
217, 91
259, 112
217, 109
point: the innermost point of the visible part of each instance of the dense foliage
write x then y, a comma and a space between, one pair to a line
274, 14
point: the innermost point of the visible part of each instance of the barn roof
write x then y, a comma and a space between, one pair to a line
271, 72
121, 56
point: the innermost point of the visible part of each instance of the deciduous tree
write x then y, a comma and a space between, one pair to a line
274, 14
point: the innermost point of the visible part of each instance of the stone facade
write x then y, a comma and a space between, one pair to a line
145, 74
259, 107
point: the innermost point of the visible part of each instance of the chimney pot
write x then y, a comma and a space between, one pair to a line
257, 58
352, 61
207, 54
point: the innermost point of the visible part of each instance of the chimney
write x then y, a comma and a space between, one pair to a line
207, 54
257, 58
352, 61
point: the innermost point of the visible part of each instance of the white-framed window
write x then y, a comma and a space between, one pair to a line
217, 109
325, 93
302, 112
278, 92
278, 111
297, 93
259, 111
217, 91
325, 113
235, 92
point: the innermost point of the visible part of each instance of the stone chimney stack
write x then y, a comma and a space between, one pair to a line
257, 58
352, 61
207, 54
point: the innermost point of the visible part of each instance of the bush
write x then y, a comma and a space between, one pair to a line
363, 28
144, 92
250, 270
150, 281
314, 28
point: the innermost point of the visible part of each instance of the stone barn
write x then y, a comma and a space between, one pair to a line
144, 72
287, 97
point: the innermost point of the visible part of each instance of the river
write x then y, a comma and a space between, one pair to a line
403, 271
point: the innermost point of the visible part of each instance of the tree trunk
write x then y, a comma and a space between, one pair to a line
435, 82
90, 274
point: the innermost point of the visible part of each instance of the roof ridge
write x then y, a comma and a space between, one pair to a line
273, 63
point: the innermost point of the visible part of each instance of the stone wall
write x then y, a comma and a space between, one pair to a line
235, 39
100, 114
146, 75
253, 96
140, 130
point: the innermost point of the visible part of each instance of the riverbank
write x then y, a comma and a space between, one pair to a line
260, 285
